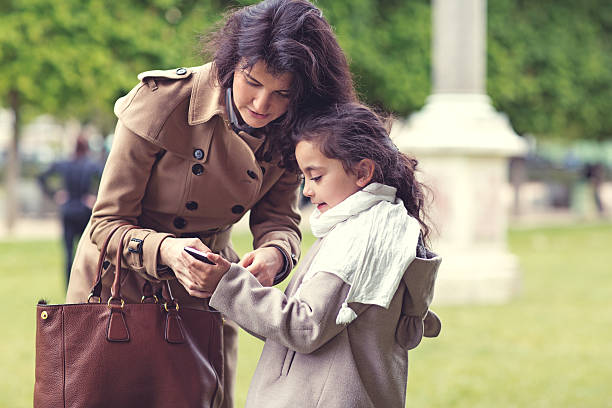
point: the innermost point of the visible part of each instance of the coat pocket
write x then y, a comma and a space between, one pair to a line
288, 361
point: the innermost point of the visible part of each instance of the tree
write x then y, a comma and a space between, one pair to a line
388, 44
74, 58
549, 66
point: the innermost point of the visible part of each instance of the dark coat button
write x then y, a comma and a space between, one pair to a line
263, 170
198, 154
179, 222
197, 169
252, 174
181, 71
191, 205
237, 209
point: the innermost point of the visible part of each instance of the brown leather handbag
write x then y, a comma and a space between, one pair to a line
154, 354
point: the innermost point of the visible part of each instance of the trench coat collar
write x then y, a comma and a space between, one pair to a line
205, 99
205, 102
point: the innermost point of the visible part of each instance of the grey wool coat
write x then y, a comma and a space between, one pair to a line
310, 361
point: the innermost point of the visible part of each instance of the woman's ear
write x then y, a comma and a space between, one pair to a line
365, 171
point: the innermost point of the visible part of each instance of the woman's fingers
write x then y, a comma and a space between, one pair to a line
197, 277
247, 260
223, 264
265, 264
201, 278
172, 250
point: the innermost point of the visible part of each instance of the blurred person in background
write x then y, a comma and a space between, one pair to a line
595, 175
75, 195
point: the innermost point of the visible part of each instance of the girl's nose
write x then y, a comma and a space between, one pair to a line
307, 190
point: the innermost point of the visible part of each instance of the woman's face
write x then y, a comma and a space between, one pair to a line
259, 96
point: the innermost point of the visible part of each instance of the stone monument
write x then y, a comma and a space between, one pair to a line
463, 146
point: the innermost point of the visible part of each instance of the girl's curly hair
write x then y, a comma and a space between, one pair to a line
351, 132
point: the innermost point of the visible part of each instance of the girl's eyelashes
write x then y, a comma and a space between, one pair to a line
317, 178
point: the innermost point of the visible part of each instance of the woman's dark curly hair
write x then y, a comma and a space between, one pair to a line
289, 36
352, 132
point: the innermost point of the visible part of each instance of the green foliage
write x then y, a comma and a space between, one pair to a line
548, 61
73, 58
388, 46
549, 66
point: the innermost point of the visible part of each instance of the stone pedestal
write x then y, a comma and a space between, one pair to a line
463, 146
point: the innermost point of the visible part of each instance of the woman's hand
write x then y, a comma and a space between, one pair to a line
264, 264
198, 278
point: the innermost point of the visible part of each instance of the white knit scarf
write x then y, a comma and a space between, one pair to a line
368, 241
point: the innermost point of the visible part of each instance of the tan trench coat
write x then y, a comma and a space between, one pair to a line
177, 169
310, 361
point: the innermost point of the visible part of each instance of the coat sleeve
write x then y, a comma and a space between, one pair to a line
302, 323
275, 221
119, 201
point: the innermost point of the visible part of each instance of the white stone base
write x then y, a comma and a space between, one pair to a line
484, 277
463, 146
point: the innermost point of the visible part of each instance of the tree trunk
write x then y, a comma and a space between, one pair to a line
13, 165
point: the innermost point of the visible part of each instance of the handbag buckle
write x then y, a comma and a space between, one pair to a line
112, 298
175, 305
144, 299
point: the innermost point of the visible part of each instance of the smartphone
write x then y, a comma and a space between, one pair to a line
199, 255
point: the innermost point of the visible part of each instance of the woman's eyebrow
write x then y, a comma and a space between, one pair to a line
251, 78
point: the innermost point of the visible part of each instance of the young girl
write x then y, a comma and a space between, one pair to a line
339, 335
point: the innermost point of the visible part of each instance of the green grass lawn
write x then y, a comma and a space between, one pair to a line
550, 347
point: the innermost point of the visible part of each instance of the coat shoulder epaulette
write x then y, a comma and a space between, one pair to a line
145, 109
178, 73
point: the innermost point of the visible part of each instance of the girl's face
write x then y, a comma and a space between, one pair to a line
259, 96
326, 182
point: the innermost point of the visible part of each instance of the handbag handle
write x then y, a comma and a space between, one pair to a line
116, 288
96, 290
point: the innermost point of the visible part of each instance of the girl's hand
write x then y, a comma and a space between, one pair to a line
264, 264
198, 278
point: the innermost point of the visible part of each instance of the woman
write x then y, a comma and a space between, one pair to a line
195, 148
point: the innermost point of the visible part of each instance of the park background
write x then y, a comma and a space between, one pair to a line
63, 64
